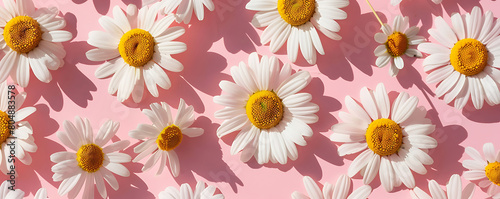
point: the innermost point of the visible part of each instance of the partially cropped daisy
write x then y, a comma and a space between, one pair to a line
22, 136
185, 8
6, 193
89, 161
185, 192
486, 170
465, 63
340, 191
453, 190
265, 106
164, 135
296, 22
41, 194
137, 49
396, 43
396, 2
31, 41
393, 138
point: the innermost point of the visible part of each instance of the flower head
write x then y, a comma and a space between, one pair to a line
265, 106
31, 40
296, 22
164, 135
23, 133
484, 169
396, 43
465, 63
90, 160
137, 49
393, 138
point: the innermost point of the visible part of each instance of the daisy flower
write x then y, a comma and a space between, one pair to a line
6, 193
340, 191
395, 43
164, 135
393, 138
486, 170
41, 194
396, 2
466, 60
185, 192
137, 49
265, 107
91, 161
296, 22
454, 190
31, 39
185, 8
23, 133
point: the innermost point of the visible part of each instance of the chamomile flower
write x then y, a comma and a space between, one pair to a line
41, 194
185, 8
91, 161
24, 142
466, 61
31, 40
265, 107
6, 193
396, 43
296, 22
453, 190
393, 138
396, 2
164, 135
137, 49
185, 192
486, 170
340, 191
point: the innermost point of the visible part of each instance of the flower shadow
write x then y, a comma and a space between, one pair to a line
409, 77
208, 162
202, 65
101, 6
235, 28
180, 89
487, 114
448, 152
43, 127
132, 186
68, 78
422, 11
318, 146
355, 48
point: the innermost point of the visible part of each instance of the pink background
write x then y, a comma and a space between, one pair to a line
223, 39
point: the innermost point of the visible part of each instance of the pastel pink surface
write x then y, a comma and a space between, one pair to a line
223, 39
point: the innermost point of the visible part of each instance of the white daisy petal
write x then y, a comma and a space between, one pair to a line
489, 152
359, 162
312, 188
362, 192
371, 169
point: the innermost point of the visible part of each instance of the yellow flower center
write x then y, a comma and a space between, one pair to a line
396, 44
264, 109
493, 172
137, 47
4, 126
384, 137
469, 56
169, 138
22, 34
90, 157
296, 12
